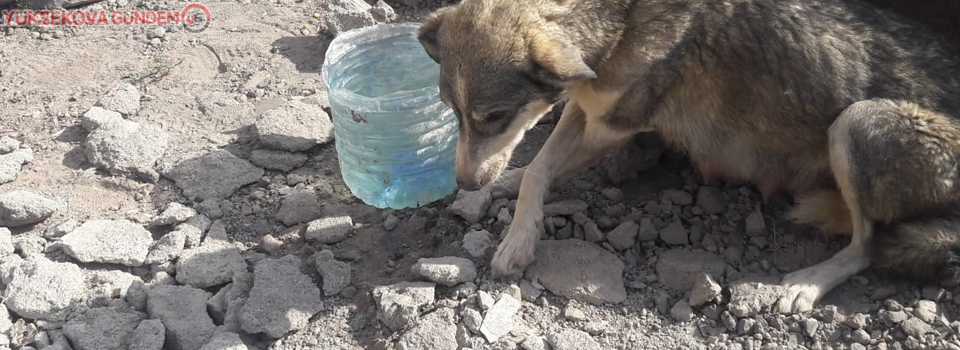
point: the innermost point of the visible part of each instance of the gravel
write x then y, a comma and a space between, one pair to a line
294, 127
579, 270
329, 230
127, 148
400, 304
183, 311
11, 164
678, 268
209, 265
447, 271
109, 242
212, 175
22, 207
282, 299
42, 289
298, 208
472, 205
101, 329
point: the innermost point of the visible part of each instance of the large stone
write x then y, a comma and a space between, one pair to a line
174, 213
182, 310
108, 241
579, 270
169, 247
282, 299
101, 329
343, 15
448, 271
400, 304
8, 144
436, 331
149, 335
329, 230
624, 236
42, 289
212, 175
97, 116
298, 207
11, 164
752, 295
472, 205
705, 290
572, 339
225, 341
106, 285
679, 268
675, 234
499, 319
209, 265
476, 243
22, 207
123, 98
294, 127
126, 148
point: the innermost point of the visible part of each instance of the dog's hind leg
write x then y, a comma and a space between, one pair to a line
573, 143
890, 160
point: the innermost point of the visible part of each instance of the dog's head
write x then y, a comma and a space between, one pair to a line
503, 65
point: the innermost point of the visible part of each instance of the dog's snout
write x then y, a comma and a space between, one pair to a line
468, 184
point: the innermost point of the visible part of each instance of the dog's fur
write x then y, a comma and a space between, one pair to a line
851, 109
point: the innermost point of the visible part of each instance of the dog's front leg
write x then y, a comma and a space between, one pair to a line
571, 145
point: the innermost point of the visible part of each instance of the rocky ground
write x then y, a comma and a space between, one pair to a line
161, 189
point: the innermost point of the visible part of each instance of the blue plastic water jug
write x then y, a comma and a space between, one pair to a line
395, 139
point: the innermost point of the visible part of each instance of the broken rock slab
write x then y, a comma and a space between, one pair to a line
343, 15
282, 299
579, 270
12, 163
278, 160
436, 331
42, 289
225, 341
109, 242
22, 207
174, 213
294, 127
126, 148
168, 248
499, 319
400, 304
448, 271
212, 175
705, 290
476, 243
335, 274
751, 295
182, 309
149, 335
678, 268
101, 329
564, 208
472, 205
624, 236
209, 265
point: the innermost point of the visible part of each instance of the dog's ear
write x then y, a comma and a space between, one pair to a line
557, 62
428, 33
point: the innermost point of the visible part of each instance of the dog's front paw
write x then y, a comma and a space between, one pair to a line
517, 250
801, 294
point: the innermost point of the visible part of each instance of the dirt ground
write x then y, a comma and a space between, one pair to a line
205, 91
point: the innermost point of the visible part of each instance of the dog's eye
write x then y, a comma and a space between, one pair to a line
495, 117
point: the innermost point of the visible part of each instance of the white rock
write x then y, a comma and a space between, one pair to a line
22, 207
294, 127
400, 304
42, 289
499, 319
329, 230
124, 99
472, 205
448, 271
108, 241
12, 164
476, 243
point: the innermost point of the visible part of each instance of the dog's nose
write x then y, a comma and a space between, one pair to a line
468, 184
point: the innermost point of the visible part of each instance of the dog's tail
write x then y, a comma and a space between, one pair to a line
825, 210
925, 249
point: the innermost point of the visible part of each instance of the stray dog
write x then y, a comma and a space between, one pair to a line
850, 109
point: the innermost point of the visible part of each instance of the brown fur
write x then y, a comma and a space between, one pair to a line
849, 108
